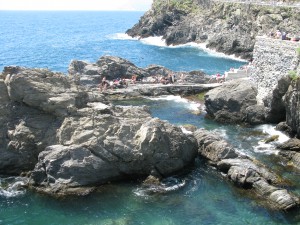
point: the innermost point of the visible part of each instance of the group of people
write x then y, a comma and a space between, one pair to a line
218, 78
116, 83
123, 83
169, 79
283, 36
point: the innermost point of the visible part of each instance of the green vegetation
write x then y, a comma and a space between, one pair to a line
271, 139
182, 5
200, 96
298, 51
293, 75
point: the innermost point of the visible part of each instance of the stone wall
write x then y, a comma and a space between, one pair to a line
273, 59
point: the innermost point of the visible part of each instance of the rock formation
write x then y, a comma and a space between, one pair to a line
244, 171
292, 102
71, 138
112, 67
228, 27
273, 60
234, 102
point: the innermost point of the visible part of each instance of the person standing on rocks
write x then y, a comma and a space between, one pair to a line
103, 85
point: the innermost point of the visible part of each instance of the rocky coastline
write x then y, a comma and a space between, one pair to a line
64, 134
226, 26
67, 138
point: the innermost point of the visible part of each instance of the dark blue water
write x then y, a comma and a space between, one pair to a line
53, 39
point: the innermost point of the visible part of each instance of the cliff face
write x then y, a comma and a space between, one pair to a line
273, 60
292, 99
225, 26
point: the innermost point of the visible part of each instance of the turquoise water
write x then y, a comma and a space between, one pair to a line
205, 198
53, 39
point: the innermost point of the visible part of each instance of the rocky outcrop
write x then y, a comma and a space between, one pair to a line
292, 102
112, 67
273, 60
72, 138
234, 102
244, 171
291, 151
228, 27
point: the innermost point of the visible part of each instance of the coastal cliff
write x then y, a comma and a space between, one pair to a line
228, 27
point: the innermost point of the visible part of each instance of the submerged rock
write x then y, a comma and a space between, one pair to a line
244, 171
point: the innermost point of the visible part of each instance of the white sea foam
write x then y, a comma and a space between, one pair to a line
185, 130
160, 42
122, 36
167, 185
213, 52
268, 148
12, 186
156, 41
190, 105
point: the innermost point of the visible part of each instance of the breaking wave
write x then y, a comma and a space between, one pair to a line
12, 186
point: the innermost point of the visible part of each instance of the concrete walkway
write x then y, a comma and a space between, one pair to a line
142, 89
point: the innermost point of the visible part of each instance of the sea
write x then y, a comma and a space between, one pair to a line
198, 195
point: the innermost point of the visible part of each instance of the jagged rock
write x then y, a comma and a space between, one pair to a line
292, 110
98, 149
296, 160
90, 74
292, 144
282, 126
78, 134
244, 171
275, 107
44, 90
273, 60
234, 102
204, 21
291, 151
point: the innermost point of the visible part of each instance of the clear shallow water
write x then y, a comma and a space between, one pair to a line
53, 39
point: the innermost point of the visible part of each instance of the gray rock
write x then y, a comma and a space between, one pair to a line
204, 21
66, 134
113, 148
292, 144
282, 126
292, 110
234, 102
90, 74
244, 171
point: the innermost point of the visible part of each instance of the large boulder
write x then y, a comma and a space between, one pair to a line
97, 148
234, 102
243, 171
111, 67
44, 90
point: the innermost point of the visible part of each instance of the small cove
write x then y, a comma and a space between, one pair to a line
205, 198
